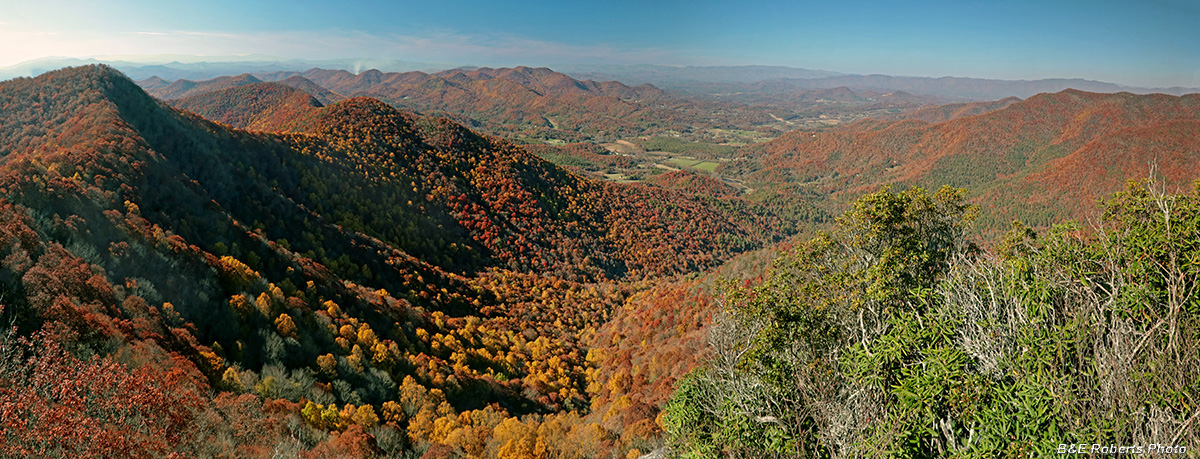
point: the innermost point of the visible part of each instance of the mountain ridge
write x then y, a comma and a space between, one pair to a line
397, 268
1033, 152
179, 89
692, 78
354, 279
262, 106
523, 101
975, 89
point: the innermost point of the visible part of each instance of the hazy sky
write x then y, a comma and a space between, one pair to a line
1142, 43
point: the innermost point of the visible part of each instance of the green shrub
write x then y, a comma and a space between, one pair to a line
893, 336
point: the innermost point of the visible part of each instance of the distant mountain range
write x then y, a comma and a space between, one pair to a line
179, 89
189, 67
667, 76
774, 80
961, 88
182, 88
693, 79
1040, 160
539, 103
522, 101
1053, 153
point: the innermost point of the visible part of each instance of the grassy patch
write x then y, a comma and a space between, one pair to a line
706, 166
681, 146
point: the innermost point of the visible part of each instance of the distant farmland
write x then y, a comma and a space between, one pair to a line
698, 164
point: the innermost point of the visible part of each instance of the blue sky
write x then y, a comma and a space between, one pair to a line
1145, 43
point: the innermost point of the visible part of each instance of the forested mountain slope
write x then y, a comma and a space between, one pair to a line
183, 88
257, 106
372, 282
1049, 157
522, 101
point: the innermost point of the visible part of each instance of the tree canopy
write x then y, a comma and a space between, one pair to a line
893, 336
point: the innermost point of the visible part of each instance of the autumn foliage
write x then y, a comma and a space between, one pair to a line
353, 280
370, 283
1039, 160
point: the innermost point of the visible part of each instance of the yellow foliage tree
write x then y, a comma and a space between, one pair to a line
518, 440
347, 332
241, 305
472, 440
442, 427
392, 412
237, 272
328, 365
264, 304
231, 380
332, 308
420, 426
311, 413
365, 416
355, 360
366, 336
382, 356
286, 327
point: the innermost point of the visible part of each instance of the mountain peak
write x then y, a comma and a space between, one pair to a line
93, 83
372, 76
154, 82
322, 94
246, 77
185, 88
363, 116
92, 72
264, 106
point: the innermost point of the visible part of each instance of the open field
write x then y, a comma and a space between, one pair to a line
706, 166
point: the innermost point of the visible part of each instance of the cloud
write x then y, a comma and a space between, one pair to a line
448, 46
516, 48
499, 49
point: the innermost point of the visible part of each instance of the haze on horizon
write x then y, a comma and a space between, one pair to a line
1147, 44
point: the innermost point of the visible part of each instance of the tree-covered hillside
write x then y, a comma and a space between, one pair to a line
1040, 160
372, 284
352, 280
894, 336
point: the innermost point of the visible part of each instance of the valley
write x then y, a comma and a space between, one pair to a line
646, 131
